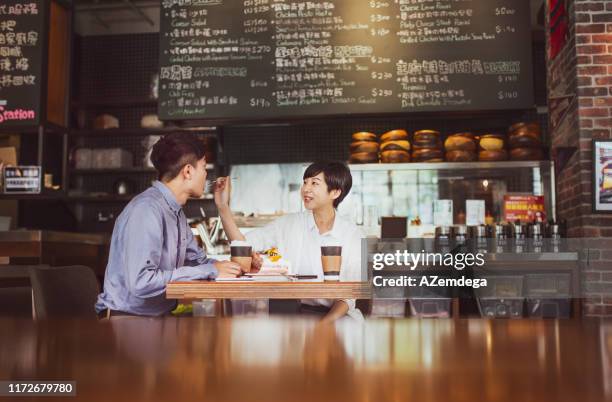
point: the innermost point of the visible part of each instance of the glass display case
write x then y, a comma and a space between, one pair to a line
410, 189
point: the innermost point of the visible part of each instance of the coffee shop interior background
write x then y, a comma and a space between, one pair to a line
115, 61
114, 57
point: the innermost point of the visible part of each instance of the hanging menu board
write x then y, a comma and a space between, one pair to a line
285, 58
21, 35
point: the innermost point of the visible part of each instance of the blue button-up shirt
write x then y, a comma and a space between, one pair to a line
152, 244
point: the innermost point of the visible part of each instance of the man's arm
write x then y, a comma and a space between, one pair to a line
143, 242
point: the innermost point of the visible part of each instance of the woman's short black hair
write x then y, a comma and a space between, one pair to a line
173, 151
337, 177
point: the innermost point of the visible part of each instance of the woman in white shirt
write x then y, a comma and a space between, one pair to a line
299, 236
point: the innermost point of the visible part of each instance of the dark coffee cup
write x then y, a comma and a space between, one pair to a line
243, 256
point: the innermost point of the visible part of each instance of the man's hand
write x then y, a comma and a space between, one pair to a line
256, 262
223, 188
227, 269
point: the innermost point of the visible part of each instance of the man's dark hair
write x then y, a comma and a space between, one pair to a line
173, 151
337, 177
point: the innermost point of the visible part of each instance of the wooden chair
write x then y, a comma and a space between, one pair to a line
64, 292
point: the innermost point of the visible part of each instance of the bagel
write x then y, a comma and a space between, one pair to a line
424, 155
364, 157
493, 156
492, 142
399, 145
460, 156
524, 139
364, 136
394, 156
526, 154
363, 146
426, 135
458, 142
394, 135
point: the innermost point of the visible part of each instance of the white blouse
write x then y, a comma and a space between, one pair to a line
298, 240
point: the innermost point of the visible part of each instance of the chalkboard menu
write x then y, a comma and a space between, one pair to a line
21, 36
284, 58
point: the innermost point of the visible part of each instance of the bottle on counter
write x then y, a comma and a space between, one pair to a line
461, 235
480, 236
443, 239
537, 237
554, 233
500, 234
518, 237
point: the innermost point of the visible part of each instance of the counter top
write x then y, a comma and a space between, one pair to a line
54, 236
275, 359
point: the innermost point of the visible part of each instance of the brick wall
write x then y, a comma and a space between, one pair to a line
583, 71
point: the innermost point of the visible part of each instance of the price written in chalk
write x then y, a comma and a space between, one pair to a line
381, 76
504, 29
377, 92
501, 95
504, 11
380, 60
379, 18
507, 78
379, 32
259, 102
378, 4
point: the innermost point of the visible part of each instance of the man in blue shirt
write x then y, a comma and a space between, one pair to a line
152, 243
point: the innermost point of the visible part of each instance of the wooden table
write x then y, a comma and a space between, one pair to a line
267, 290
279, 360
55, 248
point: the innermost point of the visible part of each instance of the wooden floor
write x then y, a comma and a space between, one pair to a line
294, 360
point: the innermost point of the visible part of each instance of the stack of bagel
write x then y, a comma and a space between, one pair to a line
460, 147
394, 147
364, 148
427, 146
492, 147
525, 142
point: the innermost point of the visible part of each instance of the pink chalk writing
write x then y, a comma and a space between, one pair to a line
16, 114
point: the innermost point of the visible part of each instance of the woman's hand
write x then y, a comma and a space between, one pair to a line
227, 269
223, 188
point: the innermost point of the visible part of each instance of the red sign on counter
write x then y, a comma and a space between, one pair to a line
525, 208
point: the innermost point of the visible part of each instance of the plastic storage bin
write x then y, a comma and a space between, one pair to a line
391, 308
502, 297
427, 302
548, 295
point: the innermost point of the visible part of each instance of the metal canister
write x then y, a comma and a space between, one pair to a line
443, 239
536, 236
500, 233
479, 235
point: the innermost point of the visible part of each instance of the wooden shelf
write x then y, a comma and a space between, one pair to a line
115, 103
44, 196
135, 132
31, 130
450, 165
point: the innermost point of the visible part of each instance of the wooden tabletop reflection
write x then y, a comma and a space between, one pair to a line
290, 359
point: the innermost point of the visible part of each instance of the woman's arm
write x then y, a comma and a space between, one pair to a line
222, 199
338, 310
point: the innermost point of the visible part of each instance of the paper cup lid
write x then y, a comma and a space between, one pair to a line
239, 243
